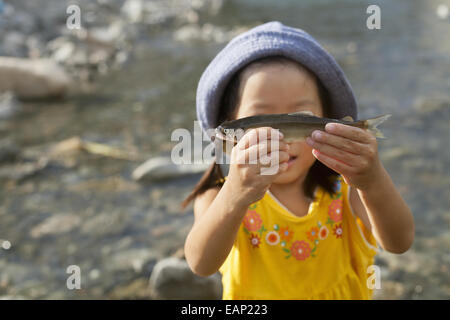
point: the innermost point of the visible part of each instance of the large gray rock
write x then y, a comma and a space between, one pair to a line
9, 105
33, 78
173, 279
160, 168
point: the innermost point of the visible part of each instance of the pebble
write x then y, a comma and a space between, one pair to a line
33, 79
173, 279
161, 168
56, 224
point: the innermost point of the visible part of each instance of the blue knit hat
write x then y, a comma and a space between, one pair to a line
270, 39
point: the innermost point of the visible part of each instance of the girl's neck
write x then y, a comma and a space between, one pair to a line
292, 196
292, 190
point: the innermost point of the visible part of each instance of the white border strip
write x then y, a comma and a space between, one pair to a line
378, 248
280, 204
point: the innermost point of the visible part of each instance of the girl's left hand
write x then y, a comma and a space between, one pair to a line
348, 150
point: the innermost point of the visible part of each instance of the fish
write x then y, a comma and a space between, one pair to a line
294, 126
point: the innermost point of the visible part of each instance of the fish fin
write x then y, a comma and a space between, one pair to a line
301, 112
348, 118
372, 125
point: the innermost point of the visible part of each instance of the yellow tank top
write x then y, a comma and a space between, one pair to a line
322, 255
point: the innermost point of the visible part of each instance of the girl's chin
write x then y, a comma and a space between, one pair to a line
290, 175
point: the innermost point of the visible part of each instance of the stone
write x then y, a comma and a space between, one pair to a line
33, 78
56, 224
173, 279
21, 171
9, 105
137, 289
140, 261
161, 168
132, 9
425, 105
9, 152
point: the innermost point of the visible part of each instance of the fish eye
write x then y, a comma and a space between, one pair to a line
226, 130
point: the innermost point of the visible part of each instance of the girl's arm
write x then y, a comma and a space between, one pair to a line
218, 214
353, 152
392, 220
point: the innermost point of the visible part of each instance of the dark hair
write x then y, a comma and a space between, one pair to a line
318, 174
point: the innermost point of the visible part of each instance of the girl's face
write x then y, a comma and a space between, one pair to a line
281, 88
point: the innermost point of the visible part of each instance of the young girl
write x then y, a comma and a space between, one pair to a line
310, 231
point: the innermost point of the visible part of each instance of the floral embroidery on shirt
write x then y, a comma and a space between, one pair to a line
272, 238
300, 250
255, 240
286, 234
323, 233
335, 211
338, 230
337, 185
253, 223
313, 234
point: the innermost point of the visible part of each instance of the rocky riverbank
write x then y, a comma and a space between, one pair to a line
75, 184
39, 32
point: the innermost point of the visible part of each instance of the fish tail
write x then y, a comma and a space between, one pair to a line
372, 125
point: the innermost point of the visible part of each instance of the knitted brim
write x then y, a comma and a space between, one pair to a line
270, 39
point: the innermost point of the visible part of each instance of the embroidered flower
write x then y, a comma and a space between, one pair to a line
300, 250
286, 234
255, 240
337, 185
252, 221
338, 230
323, 233
272, 238
313, 234
335, 210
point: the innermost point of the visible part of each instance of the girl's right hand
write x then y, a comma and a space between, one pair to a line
256, 161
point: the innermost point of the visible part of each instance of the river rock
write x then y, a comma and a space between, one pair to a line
207, 33
136, 260
132, 9
9, 152
23, 170
173, 279
160, 168
33, 78
55, 225
9, 105
425, 104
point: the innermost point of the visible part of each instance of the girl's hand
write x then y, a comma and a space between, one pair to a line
350, 151
255, 162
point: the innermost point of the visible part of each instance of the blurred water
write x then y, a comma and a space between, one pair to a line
400, 69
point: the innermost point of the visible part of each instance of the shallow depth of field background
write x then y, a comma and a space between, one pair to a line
133, 81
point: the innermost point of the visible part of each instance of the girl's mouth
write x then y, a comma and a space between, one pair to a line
291, 160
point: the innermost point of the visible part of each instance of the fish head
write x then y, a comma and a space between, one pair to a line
225, 134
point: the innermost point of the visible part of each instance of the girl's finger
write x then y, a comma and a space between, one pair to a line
273, 158
348, 158
255, 136
338, 142
331, 163
349, 132
263, 148
275, 169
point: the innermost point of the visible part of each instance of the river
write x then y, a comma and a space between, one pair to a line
86, 210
